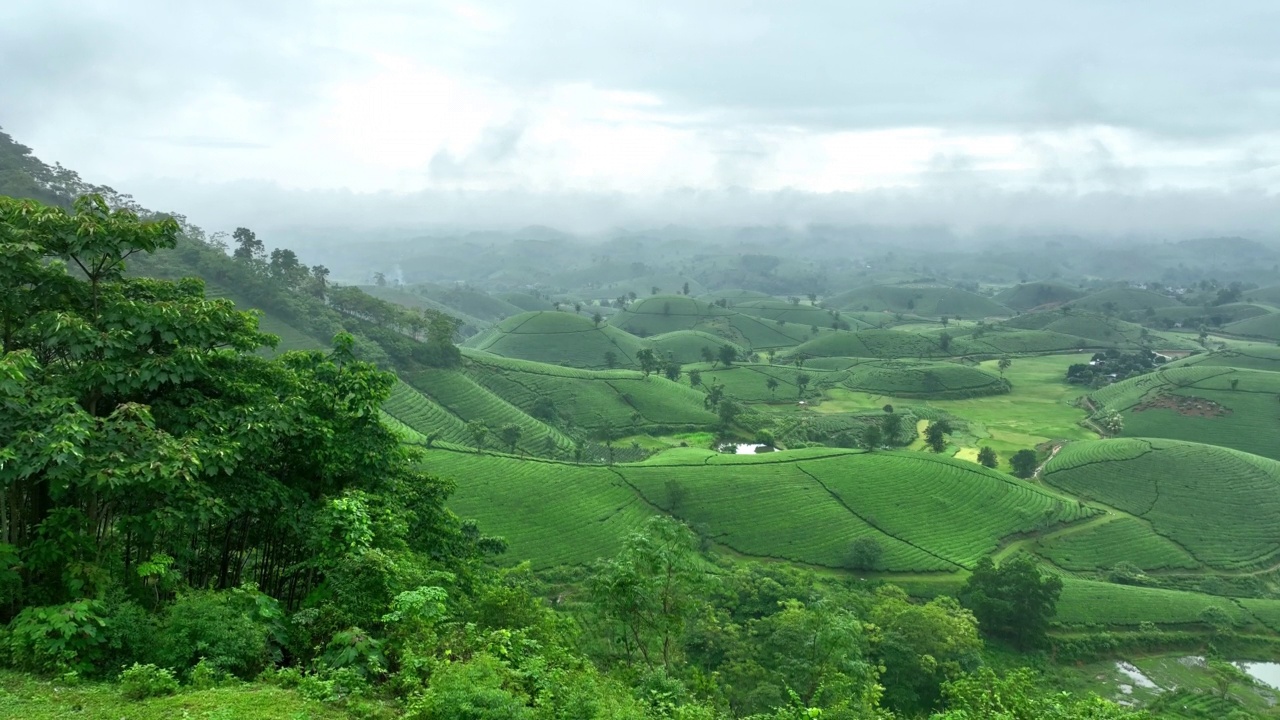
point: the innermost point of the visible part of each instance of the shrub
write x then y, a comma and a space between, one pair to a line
237, 631
140, 682
58, 638
864, 553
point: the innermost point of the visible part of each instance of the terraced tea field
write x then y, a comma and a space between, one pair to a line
1103, 545
1089, 602
559, 338
1222, 506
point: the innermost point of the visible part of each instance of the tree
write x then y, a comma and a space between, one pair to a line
890, 426
709, 355
610, 359
935, 435
695, 378
654, 290
1004, 364
727, 354
1013, 601
945, 320
510, 434
802, 382
921, 647
715, 393
987, 457
380, 279
865, 553
685, 289
813, 298
596, 319
648, 591
248, 246
728, 411
1024, 463
944, 341
984, 694
479, 432
871, 436
320, 278
671, 369
285, 268
648, 361
772, 384
577, 307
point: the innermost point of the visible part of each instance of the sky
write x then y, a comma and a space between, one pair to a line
1087, 116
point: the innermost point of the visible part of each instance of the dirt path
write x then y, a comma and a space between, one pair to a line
1052, 454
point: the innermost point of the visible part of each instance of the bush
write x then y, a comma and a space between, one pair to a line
864, 553
59, 638
237, 631
140, 682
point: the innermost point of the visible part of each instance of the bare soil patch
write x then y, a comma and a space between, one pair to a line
1188, 405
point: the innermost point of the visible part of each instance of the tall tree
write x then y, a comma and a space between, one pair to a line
648, 361
1024, 463
1014, 600
987, 457
248, 246
1004, 364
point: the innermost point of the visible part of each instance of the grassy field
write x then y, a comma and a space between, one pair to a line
1123, 300
805, 506
1034, 294
922, 300
1037, 410
559, 338
31, 698
1204, 402
1220, 505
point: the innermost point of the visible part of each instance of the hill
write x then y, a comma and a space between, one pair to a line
1213, 316
1221, 506
686, 346
559, 338
1210, 403
1030, 295
1257, 357
1266, 327
922, 300
806, 505
468, 301
1099, 329
661, 314
910, 379
525, 302
1122, 300
643, 287
802, 314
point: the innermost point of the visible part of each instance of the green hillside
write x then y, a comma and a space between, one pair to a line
1123, 300
1266, 327
525, 302
667, 284
922, 300
806, 506
1221, 506
558, 338
1121, 540
1101, 329
1030, 295
1213, 316
468, 301
686, 346
1257, 357
1208, 403
871, 344
802, 314
666, 313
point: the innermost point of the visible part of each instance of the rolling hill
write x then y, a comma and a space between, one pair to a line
1123, 300
1031, 295
558, 338
922, 300
1266, 327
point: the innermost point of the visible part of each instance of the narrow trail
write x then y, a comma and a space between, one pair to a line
1052, 454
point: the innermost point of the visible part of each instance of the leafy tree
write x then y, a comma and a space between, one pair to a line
872, 437
813, 298
728, 411
1004, 364
708, 355
380, 279
479, 432
802, 382
890, 427
248, 246
654, 290
865, 552
1024, 463
1112, 422
935, 435
944, 341
510, 434
685, 289
887, 408
648, 361
921, 647
715, 393
596, 319
695, 378
320, 280
671, 370
772, 384
610, 359
1014, 600
987, 457
647, 593
727, 354
1017, 695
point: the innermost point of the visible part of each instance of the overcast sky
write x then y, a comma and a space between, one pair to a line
1090, 114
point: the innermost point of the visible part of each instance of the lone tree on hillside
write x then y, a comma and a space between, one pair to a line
709, 355
610, 359
671, 370
727, 355
479, 433
648, 361
1004, 364
510, 435
695, 378
890, 426
248, 246
935, 435
802, 381
685, 289
1014, 601
380, 279
597, 319
715, 393
944, 341
871, 437
864, 553
987, 457
1023, 463
772, 384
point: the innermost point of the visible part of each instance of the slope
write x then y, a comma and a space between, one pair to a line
558, 338
922, 300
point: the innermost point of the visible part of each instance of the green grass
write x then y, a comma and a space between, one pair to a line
1123, 300
685, 346
1034, 294
661, 314
1220, 505
526, 302
1251, 356
558, 338
1244, 416
1099, 329
1230, 312
591, 400
929, 513
1123, 539
1266, 327
912, 379
1090, 602
803, 314
922, 300
31, 698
